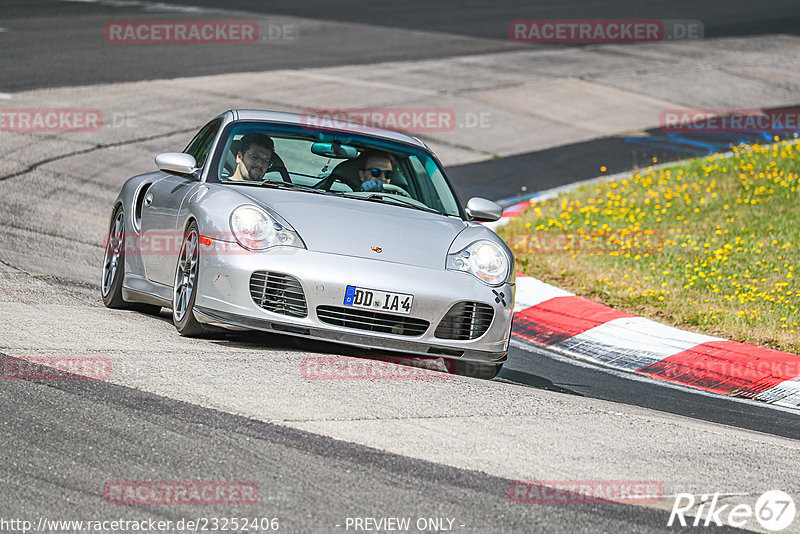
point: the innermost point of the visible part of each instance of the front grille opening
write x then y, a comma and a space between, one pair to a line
465, 321
372, 321
278, 293
291, 329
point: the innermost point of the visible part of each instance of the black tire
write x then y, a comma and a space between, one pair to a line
184, 288
491, 371
114, 269
149, 309
486, 371
114, 262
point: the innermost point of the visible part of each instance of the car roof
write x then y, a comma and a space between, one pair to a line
325, 122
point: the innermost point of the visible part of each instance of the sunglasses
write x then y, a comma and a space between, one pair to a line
376, 173
257, 159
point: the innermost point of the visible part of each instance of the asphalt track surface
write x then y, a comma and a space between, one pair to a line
489, 18
65, 437
310, 483
53, 43
527, 365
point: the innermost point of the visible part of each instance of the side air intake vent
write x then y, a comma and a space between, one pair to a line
465, 321
278, 293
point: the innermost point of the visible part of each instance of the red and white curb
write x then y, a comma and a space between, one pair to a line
573, 326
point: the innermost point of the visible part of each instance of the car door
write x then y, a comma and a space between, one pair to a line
161, 239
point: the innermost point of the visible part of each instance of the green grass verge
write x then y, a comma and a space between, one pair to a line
712, 245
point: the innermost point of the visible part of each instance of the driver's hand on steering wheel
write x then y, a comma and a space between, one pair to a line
374, 186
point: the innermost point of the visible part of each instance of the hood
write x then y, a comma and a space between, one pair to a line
351, 227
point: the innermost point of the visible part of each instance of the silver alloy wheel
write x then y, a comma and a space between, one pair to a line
185, 275
113, 253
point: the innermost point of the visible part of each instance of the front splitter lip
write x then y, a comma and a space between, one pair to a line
220, 318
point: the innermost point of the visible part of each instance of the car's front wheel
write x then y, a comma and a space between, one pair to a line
185, 287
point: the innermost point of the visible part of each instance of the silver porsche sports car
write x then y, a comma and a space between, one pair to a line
341, 233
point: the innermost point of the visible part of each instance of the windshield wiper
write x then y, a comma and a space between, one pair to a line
392, 200
291, 185
277, 185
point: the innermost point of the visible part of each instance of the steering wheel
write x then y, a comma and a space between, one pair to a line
326, 184
395, 190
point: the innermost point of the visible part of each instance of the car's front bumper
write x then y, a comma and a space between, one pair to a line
223, 299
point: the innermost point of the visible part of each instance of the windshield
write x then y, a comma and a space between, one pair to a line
345, 164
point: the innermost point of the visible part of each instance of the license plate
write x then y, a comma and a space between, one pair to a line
373, 299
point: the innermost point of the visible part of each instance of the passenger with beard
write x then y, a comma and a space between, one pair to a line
253, 158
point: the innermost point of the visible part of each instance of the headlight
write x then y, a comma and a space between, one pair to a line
484, 260
254, 229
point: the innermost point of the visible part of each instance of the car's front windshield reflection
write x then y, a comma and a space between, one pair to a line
355, 168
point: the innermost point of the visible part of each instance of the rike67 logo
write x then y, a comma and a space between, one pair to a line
774, 510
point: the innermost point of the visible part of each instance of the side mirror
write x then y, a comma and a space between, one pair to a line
176, 162
482, 210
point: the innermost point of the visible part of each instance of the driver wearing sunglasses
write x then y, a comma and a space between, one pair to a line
376, 171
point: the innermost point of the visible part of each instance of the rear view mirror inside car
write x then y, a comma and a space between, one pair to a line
334, 150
